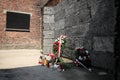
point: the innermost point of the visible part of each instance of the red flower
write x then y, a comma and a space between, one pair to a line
51, 55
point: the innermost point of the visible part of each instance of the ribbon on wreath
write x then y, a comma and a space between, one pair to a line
59, 43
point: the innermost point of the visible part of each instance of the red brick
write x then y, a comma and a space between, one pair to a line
26, 39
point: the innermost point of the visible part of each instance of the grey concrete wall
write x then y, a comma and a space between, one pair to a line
48, 31
72, 19
88, 23
100, 36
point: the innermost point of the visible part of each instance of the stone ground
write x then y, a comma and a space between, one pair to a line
23, 65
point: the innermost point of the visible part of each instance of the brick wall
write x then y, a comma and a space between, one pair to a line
53, 2
16, 39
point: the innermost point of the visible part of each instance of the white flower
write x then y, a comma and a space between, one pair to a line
80, 58
86, 51
84, 57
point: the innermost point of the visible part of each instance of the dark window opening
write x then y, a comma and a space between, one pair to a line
17, 22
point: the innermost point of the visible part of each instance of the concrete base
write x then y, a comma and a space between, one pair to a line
18, 58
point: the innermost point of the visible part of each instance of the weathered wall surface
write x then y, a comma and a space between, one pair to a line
100, 36
88, 23
12, 39
48, 32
